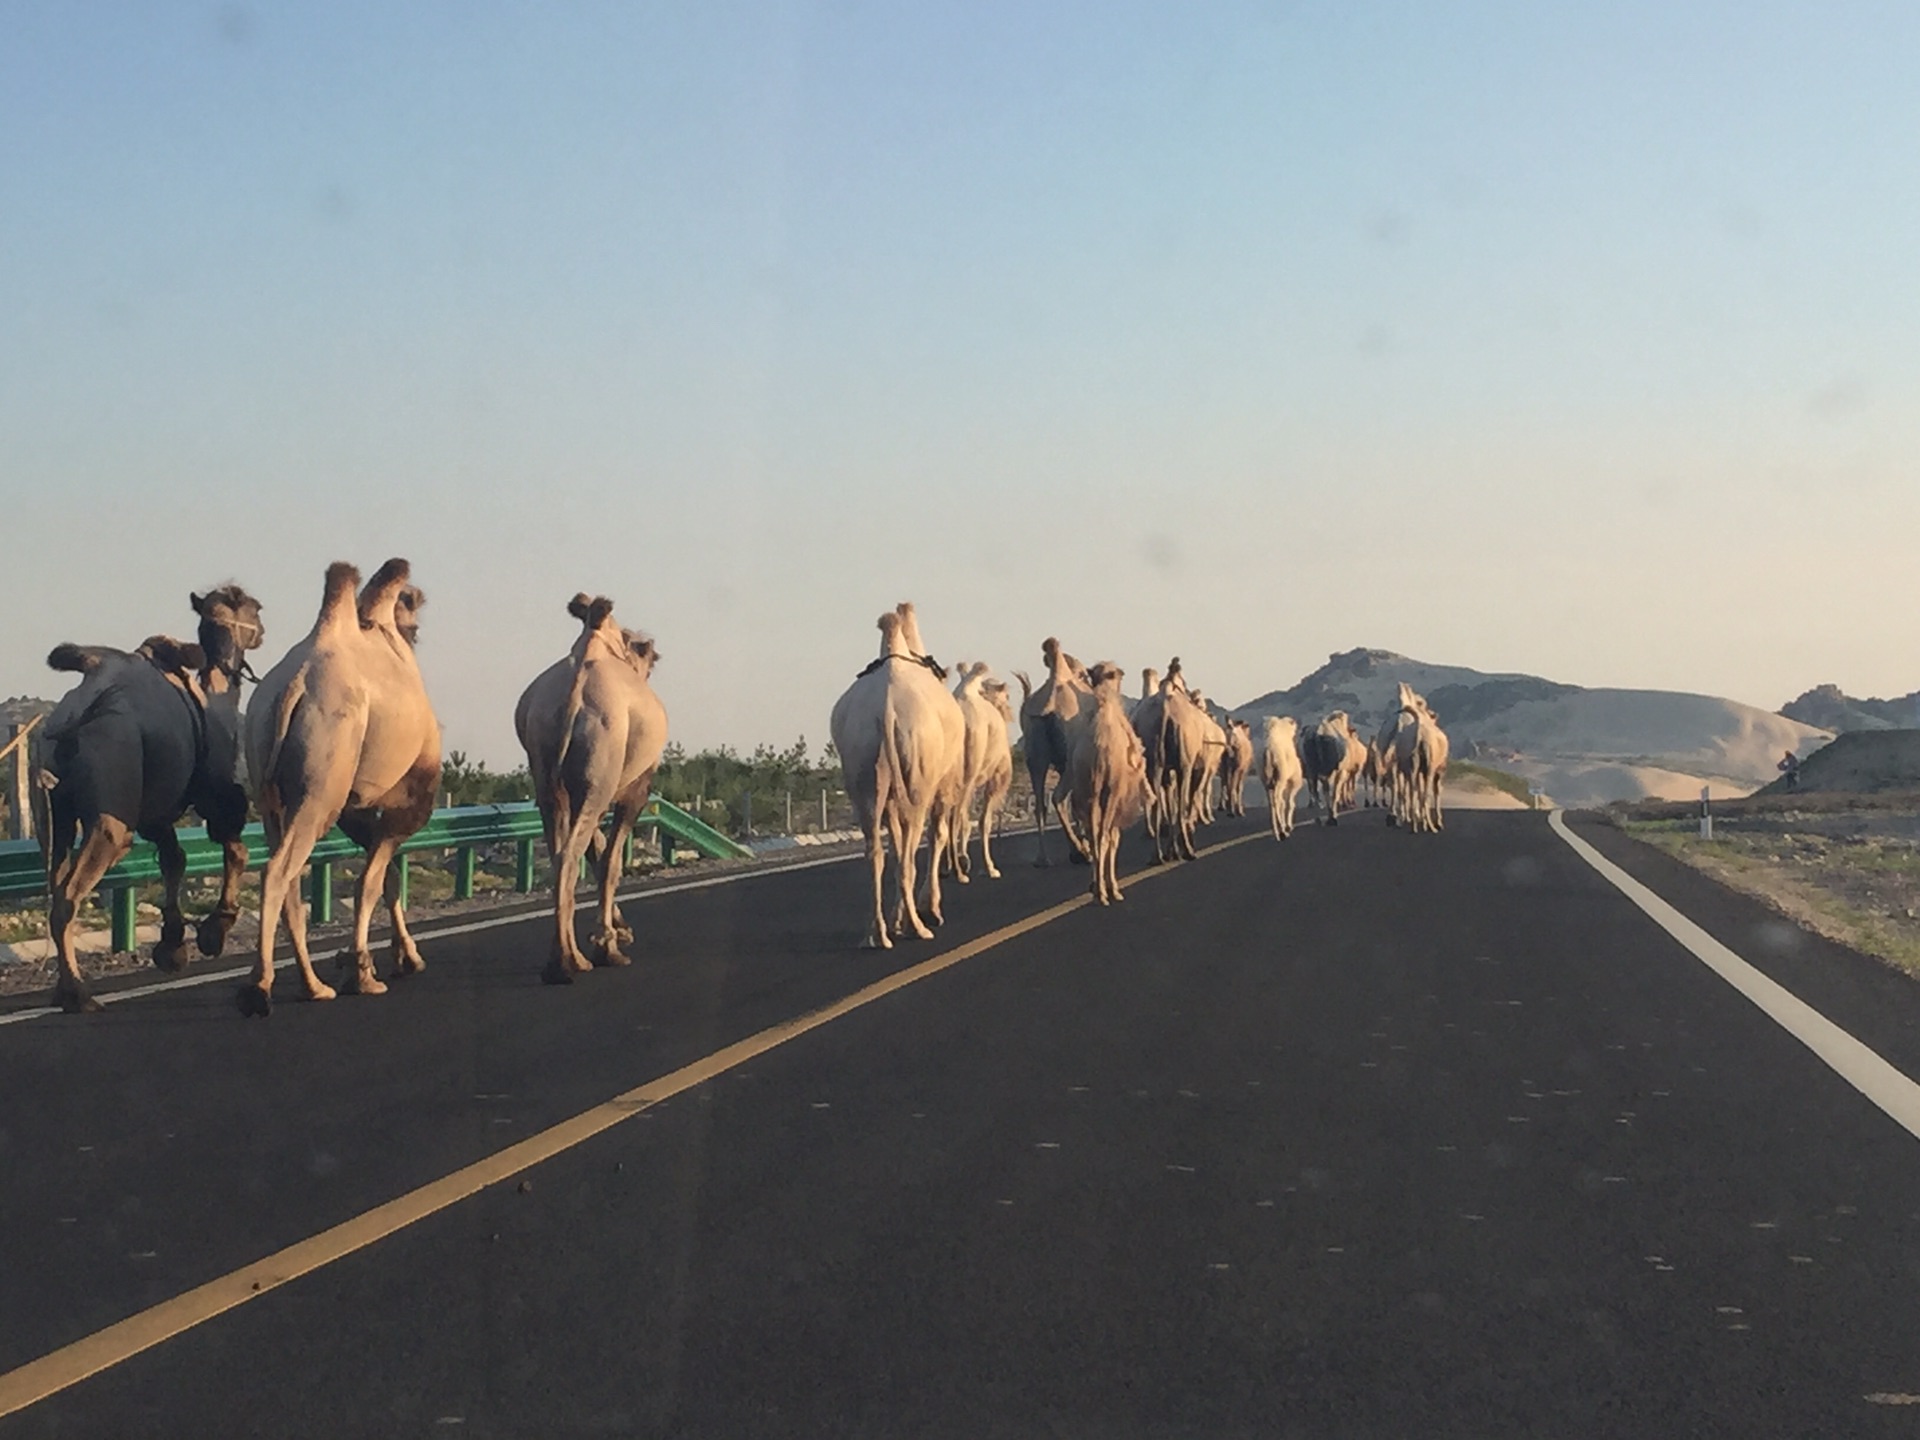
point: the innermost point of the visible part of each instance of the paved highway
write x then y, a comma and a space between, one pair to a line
1361, 1135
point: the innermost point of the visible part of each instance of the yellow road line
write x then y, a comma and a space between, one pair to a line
71, 1364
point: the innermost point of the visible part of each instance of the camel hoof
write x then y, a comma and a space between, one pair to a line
254, 1001
405, 964
362, 982
556, 974
211, 938
992, 874
77, 1002
609, 957
172, 957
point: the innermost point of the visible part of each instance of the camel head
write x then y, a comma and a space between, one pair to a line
406, 613
1281, 729
996, 692
229, 627
1149, 682
1413, 703
1174, 680
1105, 677
597, 629
380, 598
642, 653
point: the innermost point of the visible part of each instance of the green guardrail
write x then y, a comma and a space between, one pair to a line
461, 828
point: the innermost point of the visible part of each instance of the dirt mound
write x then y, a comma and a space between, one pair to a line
1861, 762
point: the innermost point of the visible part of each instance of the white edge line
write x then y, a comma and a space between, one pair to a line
213, 977
1859, 1065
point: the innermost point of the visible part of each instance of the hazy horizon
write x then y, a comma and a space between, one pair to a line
1556, 342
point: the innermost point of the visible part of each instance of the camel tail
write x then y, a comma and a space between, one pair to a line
1026, 686
76, 658
574, 692
290, 699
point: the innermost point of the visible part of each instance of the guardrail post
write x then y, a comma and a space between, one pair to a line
320, 891
523, 867
823, 810
463, 867
21, 819
406, 877
666, 846
123, 901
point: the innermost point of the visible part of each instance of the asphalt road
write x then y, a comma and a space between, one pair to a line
1361, 1135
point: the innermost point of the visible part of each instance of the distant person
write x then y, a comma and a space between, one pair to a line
1790, 767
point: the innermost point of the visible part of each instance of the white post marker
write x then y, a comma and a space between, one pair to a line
1706, 815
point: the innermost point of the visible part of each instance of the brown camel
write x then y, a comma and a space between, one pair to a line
594, 732
1109, 778
341, 731
141, 739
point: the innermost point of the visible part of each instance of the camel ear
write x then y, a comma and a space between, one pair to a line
578, 605
199, 603
599, 610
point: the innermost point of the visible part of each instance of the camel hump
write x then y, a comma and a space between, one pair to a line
382, 592
337, 601
590, 610
80, 659
167, 653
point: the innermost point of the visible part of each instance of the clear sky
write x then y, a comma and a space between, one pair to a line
1569, 338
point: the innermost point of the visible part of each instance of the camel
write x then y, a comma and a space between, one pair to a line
1280, 772
341, 731
143, 738
1354, 768
902, 740
1044, 715
594, 733
1174, 736
1109, 778
1213, 756
1420, 762
986, 770
1326, 756
1235, 766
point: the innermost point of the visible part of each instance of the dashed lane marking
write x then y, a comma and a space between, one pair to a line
72, 1363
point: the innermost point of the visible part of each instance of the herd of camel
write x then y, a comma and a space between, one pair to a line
919, 761
341, 732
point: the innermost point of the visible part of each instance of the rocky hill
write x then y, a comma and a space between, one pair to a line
1828, 707
1581, 746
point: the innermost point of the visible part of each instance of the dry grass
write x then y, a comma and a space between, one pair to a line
1828, 871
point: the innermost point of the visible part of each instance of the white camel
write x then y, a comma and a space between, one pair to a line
341, 731
986, 769
594, 732
901, 739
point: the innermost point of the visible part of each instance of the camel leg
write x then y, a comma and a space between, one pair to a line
356, 967
225, 811
909, 861
1039, 784
1097, 837
566, 960
280, 895
877, 937
613, 929
1077, 851
940, 833
989, 812
406, 956
211, 937
106, 841
171, 954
